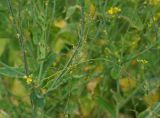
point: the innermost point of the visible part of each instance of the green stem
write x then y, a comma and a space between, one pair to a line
20, 37
117, 110
40, 70
81, 37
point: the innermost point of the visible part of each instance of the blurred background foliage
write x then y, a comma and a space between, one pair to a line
114, 73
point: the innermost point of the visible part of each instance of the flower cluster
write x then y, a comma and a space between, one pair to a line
113, 10
142, 61
28, 79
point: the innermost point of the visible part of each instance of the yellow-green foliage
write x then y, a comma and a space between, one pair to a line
79, 58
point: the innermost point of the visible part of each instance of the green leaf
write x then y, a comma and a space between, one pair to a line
10, 71
107, 106
71, 10
115, 74
48, 61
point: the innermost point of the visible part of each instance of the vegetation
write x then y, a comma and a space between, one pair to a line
79, 58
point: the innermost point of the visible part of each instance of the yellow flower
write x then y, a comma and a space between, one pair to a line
28, 79
113, 10
142, 61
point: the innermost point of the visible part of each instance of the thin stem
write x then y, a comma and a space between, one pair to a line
117, 111
75, 50
20, 37
45, 36
52, 18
